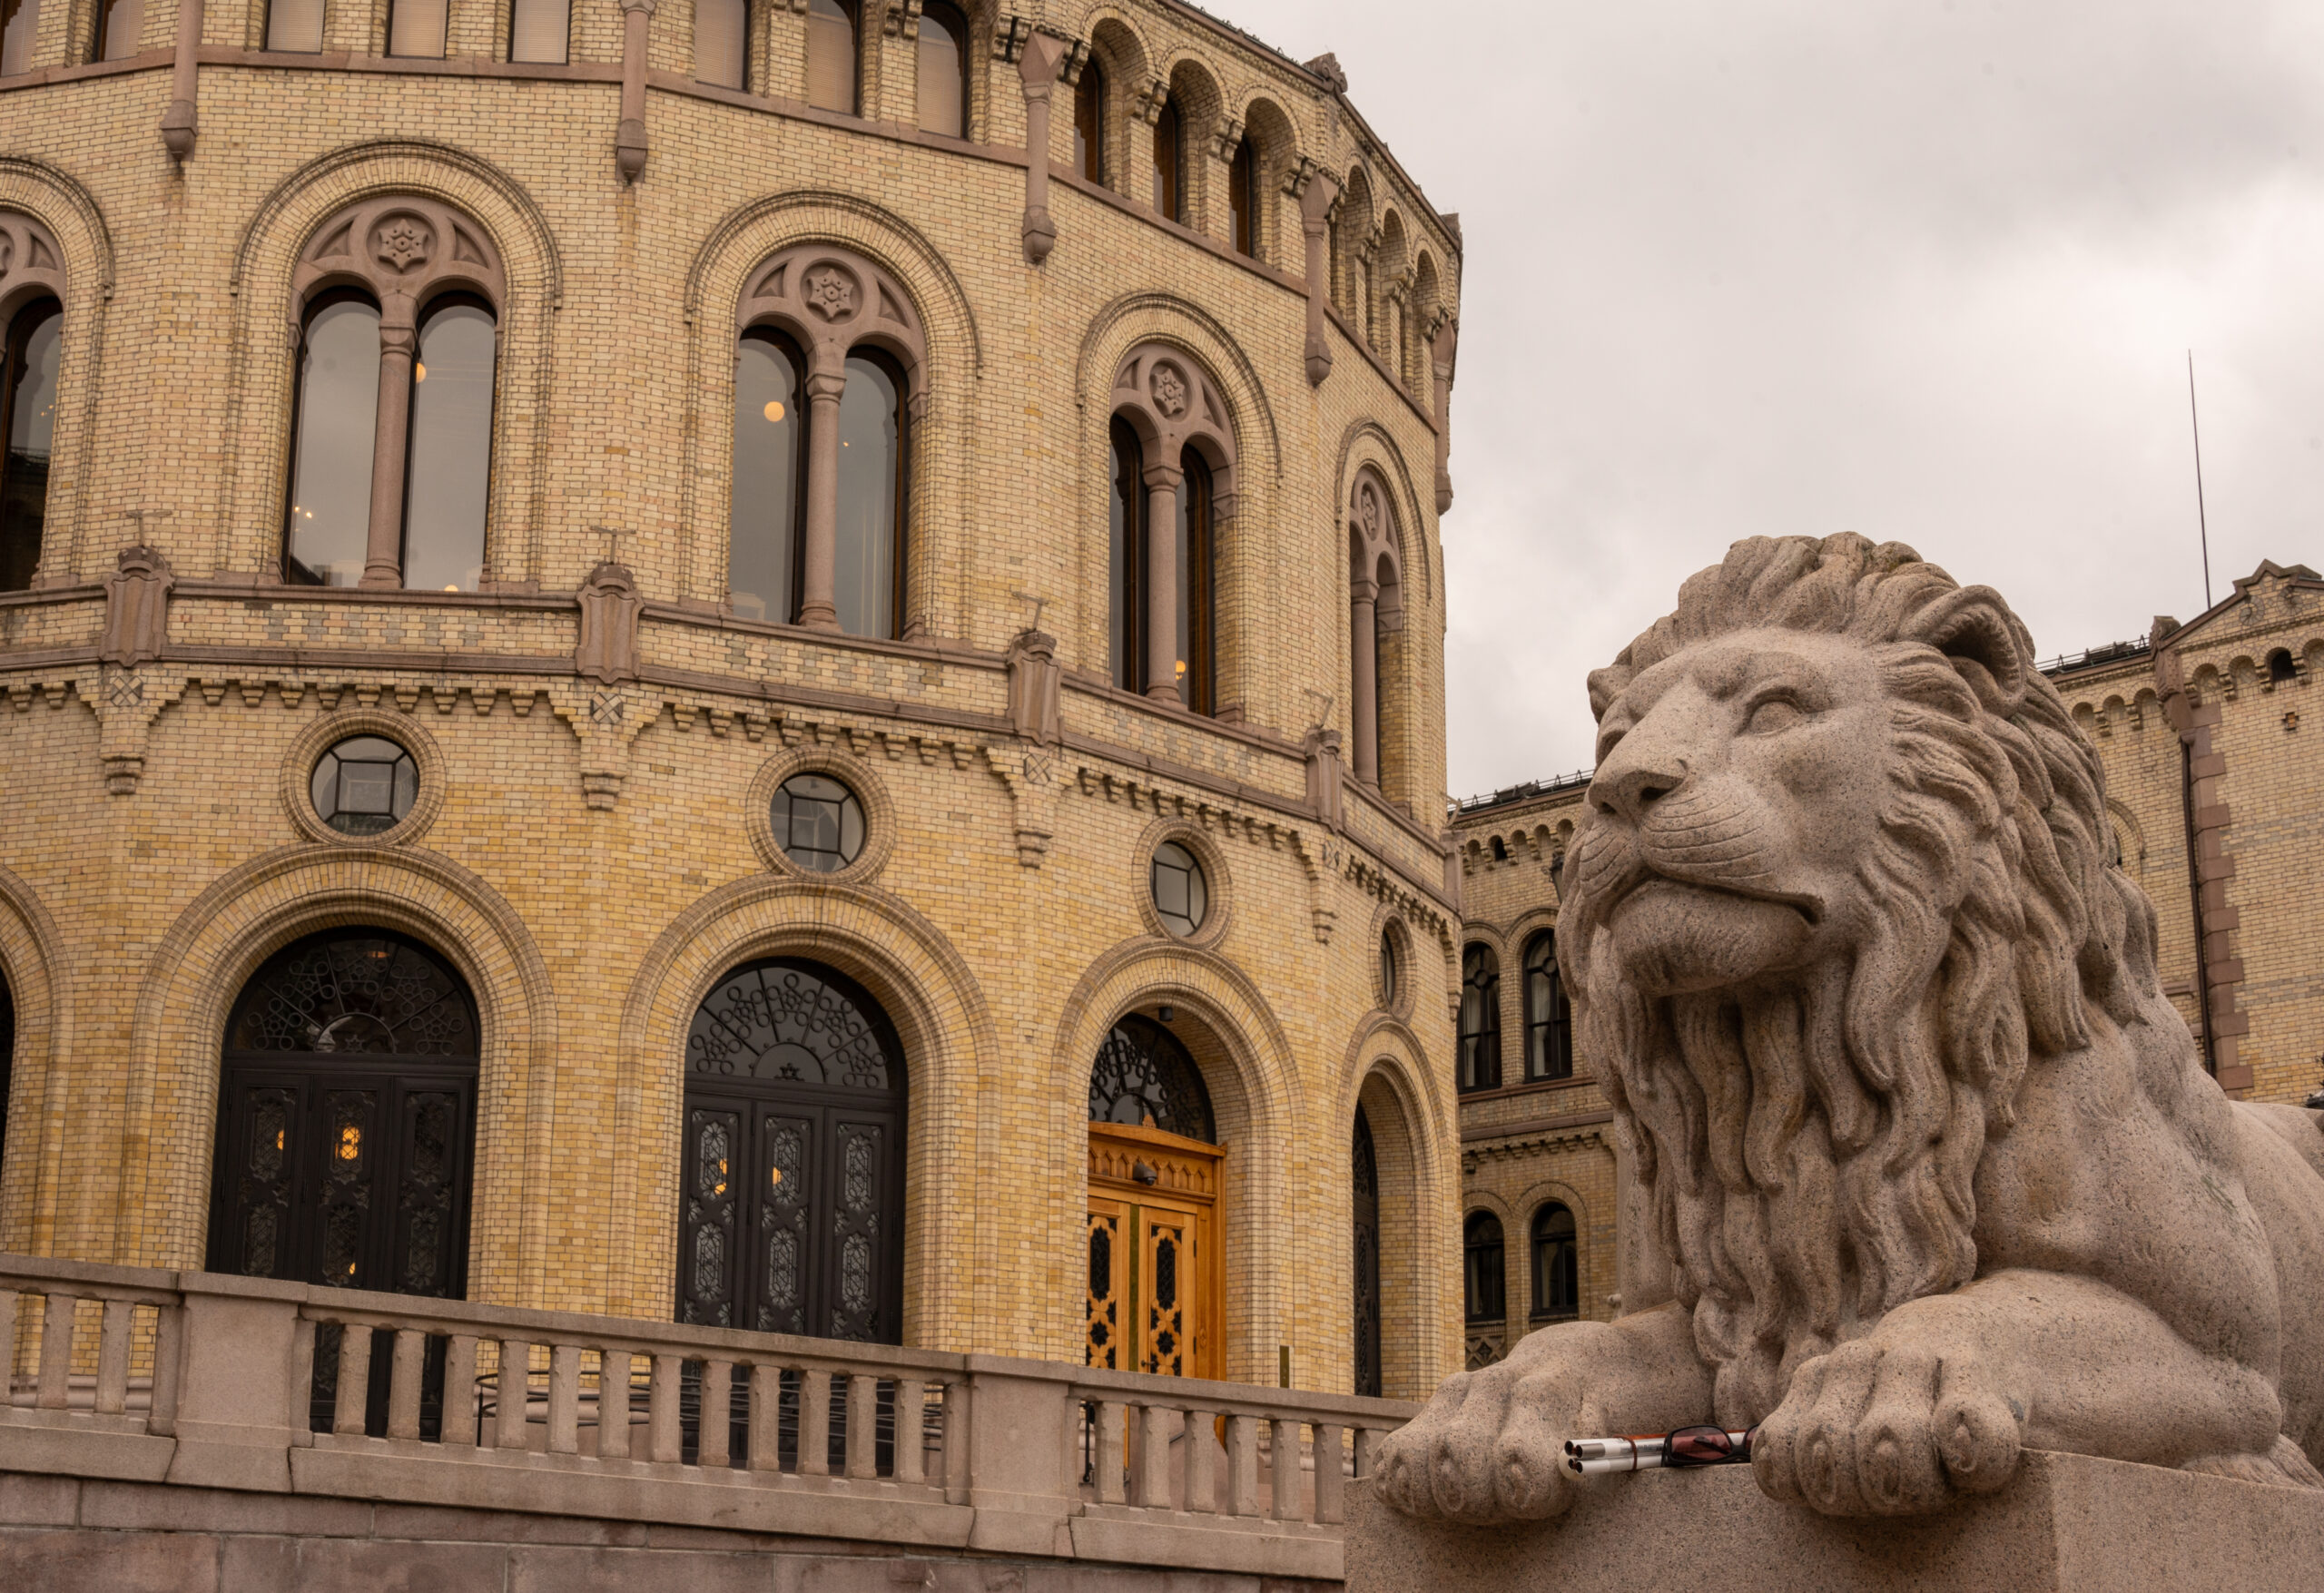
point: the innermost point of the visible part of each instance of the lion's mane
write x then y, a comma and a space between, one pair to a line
1811, 1146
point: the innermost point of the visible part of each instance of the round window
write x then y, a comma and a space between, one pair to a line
1180, 894
1387, 969
365, 784
818, 823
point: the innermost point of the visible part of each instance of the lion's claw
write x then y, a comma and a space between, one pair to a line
1877, 1430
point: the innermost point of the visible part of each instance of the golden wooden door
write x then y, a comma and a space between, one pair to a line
1155, 1275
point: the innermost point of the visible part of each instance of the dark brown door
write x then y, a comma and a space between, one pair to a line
791, 1196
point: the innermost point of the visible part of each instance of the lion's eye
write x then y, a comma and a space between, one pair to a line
1774, 714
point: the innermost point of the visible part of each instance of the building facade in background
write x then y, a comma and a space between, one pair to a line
2209, 741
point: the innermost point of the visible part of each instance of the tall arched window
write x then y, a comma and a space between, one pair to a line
1242, 197
868, 582
118, 25
448, 470
19, 21
34, 355
336, 429
1090, 122
1557, 1265
790, 1208
1483, 1270
830, 55
1480, 1029
7, 1065
943, 70
538, 30
722, 43
769, 432
1548, 1018
1197, 663
1125, 558
1169, 162
1364, 1163
1375, 613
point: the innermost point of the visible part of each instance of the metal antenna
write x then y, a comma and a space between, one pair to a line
2202, 522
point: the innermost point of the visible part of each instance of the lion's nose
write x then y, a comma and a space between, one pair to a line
1631, 787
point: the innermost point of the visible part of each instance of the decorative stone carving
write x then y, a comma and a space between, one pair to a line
1034, 681
1327, 67
31, 263
829, 292
1939, 1176
402, 242
1173, 401
1042, 58
1169, 389
1320, 748
404, 246
607, 650
137, 607
830, 299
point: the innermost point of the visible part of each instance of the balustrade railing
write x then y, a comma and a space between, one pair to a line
247, 1384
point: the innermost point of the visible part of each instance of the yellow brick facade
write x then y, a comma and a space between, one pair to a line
588, 865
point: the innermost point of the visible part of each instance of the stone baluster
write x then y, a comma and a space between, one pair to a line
56, 1353
664, 1434
953, 1454
1242, 1491
1367, 1449
565, 1402
515, 1361
459, 1390
613, 1405
766, 1418
717, 1413
912, 1430
8, 1298
113, 1359
1330, 1474
1158, 1425
169, 1346
1106, 1464
403, 1383
353, 1396
814, 1424
1283, 1472
862, 1426
1201, 1486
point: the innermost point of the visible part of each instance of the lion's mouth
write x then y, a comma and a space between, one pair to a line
1642, 880
1675, 937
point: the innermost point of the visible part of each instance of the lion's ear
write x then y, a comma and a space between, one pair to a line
1974, 628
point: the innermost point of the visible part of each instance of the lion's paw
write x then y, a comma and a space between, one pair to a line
1490, 1446
1875, 1429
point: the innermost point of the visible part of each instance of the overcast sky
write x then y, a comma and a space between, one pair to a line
1925, 270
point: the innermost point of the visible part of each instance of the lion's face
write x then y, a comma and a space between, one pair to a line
1739, 788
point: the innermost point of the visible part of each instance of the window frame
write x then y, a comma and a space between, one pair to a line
785, 346
1475, 1244
954, 20
1549, 1036
1479, 1049
1199, 568
291, 572
851, 11
900, 555
1242, 197
449, 297
28, 317
565, 51
1126, 624
1089, 122
1170, 178
1562, 1263
741, 83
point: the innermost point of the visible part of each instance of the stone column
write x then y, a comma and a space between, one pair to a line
1319, 195
1036, 66
383, 551
1162, 580
629, 138
1364, 675
178, 121
817, 608
1442, 346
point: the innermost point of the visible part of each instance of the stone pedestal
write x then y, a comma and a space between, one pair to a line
2068, 1523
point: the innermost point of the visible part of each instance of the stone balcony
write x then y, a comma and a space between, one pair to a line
170, 1430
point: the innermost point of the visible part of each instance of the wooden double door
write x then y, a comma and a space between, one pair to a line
1155, 1277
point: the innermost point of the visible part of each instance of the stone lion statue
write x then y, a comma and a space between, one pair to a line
1935, 1167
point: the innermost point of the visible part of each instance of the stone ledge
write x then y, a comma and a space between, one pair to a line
2068, 1524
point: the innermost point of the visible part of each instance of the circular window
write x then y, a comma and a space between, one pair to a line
818, 823
1388, 968
1180, 894
364, 785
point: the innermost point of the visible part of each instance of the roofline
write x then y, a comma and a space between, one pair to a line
2298, 575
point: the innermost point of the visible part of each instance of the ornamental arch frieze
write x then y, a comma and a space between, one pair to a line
56, 242
1252, 1075
833, 272
922, 986
222, 938
31, 1162
404, 219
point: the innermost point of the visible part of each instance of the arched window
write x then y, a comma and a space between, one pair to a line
1242, 197
392, 431
1169, 162
336, 429
7, 1064
770, 440
1090, 122
1197, 663
722, 43
1480, 1031
1145, 1077
868, 583
34, 355
1364, 1180
118, 25
791, 1182
1483, 1270
1125, 558
1557, 1265
831, 74
2280, 668
943, 70
538, 30
19, 21
1376, 614
448, 469
415, 28
1548, 1020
